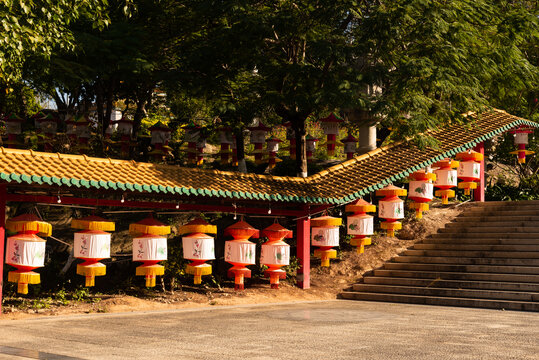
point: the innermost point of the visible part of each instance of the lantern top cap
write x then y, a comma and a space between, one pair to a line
93, 223
277, 230
124, 120
309, 137
259, 127
13, 118
273, 139
242, 229
48, 118
149, 226
469, 155
349, 138
28, 237
159, 126
422, 175
360, 206
391, 190
29, 222
79, 120
326, 221
332, 118
522, 129
446, 163
38, 114
197, 225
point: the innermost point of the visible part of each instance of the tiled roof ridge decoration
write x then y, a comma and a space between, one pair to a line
338, 184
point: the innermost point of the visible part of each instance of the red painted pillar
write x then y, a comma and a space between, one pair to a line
304, 253
479, 193
2, 237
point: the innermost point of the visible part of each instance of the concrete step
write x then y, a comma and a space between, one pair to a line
509, 212
480, 241
469, 276
445, 301
475, 254
466, 261
492, 230
464, 268
443, 292
456, 284
475, 247
484, 234
491, 224
486, 204
494, 218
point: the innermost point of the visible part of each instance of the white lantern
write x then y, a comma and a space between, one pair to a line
521, 138
225, 137
360, 225
13, 127
350, 147
310, 146
421, 189
192, 136
275, 254
149, 248
469, 169
241, 252
160, 136
445, 177
325, 236
198, 247
391, 209
25, 250
330, 127
92, 244
49, 126
125, 127
273, 146
258, 136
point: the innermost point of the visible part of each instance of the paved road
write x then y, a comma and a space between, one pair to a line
337, 329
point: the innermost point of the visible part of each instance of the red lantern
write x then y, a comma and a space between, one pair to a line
360, 225
521, 140
325, 234
149, 248
273, 147
421, 191
310, 146
198, 247
240, 252
330, 125
258, 138
446, 178
26, 250
469, 170
92, 245
275, 253
160, 137
350, 146
391, 208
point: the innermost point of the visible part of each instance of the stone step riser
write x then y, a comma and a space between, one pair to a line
522, 270
441, 292
479, 241
489, 219
459, 276
427, 300
486, 233
491, 230
475, 254
518, 212
466, 261
475, 247
454, 284
506, 203
492, 224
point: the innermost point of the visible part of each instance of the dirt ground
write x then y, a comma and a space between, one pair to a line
326, 283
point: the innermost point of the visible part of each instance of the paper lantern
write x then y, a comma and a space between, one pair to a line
149, 248
92, 245
48, 126
226, 139
350, 146
258, 138
446, 178
160, 134
421, 191
360, 225
273, 147
469, 170
391, 208
325, 235
125, 130
240, 252
521, 140
26, 250
310, 146
36, 117
198, 247
192, 136
275, 253
201, 145
13, 130
330, 125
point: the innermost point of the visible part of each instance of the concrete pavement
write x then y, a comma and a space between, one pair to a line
337, 329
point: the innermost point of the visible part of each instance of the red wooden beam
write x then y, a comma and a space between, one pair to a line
69, 200
303, 232
2, 237
479, 193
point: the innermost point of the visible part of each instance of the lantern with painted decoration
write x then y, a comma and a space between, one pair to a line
92, 245
149, 247
13, 130
258, 138
391, 208
420, 191
310, 146
469, 170
360, 225
273, 147
240, 252
275, 253
521, 140
198, 247
325, 235
330, 125
350, 146
26, 250
446, 178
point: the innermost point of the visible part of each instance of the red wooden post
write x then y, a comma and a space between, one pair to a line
304, 253
479, 193
2, 237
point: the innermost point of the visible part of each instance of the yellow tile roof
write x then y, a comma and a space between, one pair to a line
339, 184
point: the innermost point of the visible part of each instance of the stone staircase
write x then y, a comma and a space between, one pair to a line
488, 257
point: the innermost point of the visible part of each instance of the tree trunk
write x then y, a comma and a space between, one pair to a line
99, 102
240, 149
298, 125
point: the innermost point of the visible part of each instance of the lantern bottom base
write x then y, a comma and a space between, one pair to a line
150, 272
23, 279
275, 275
467, 186
360, 243
391, 227
325, 255
198, 271
445, 195
239, 274
91, 271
